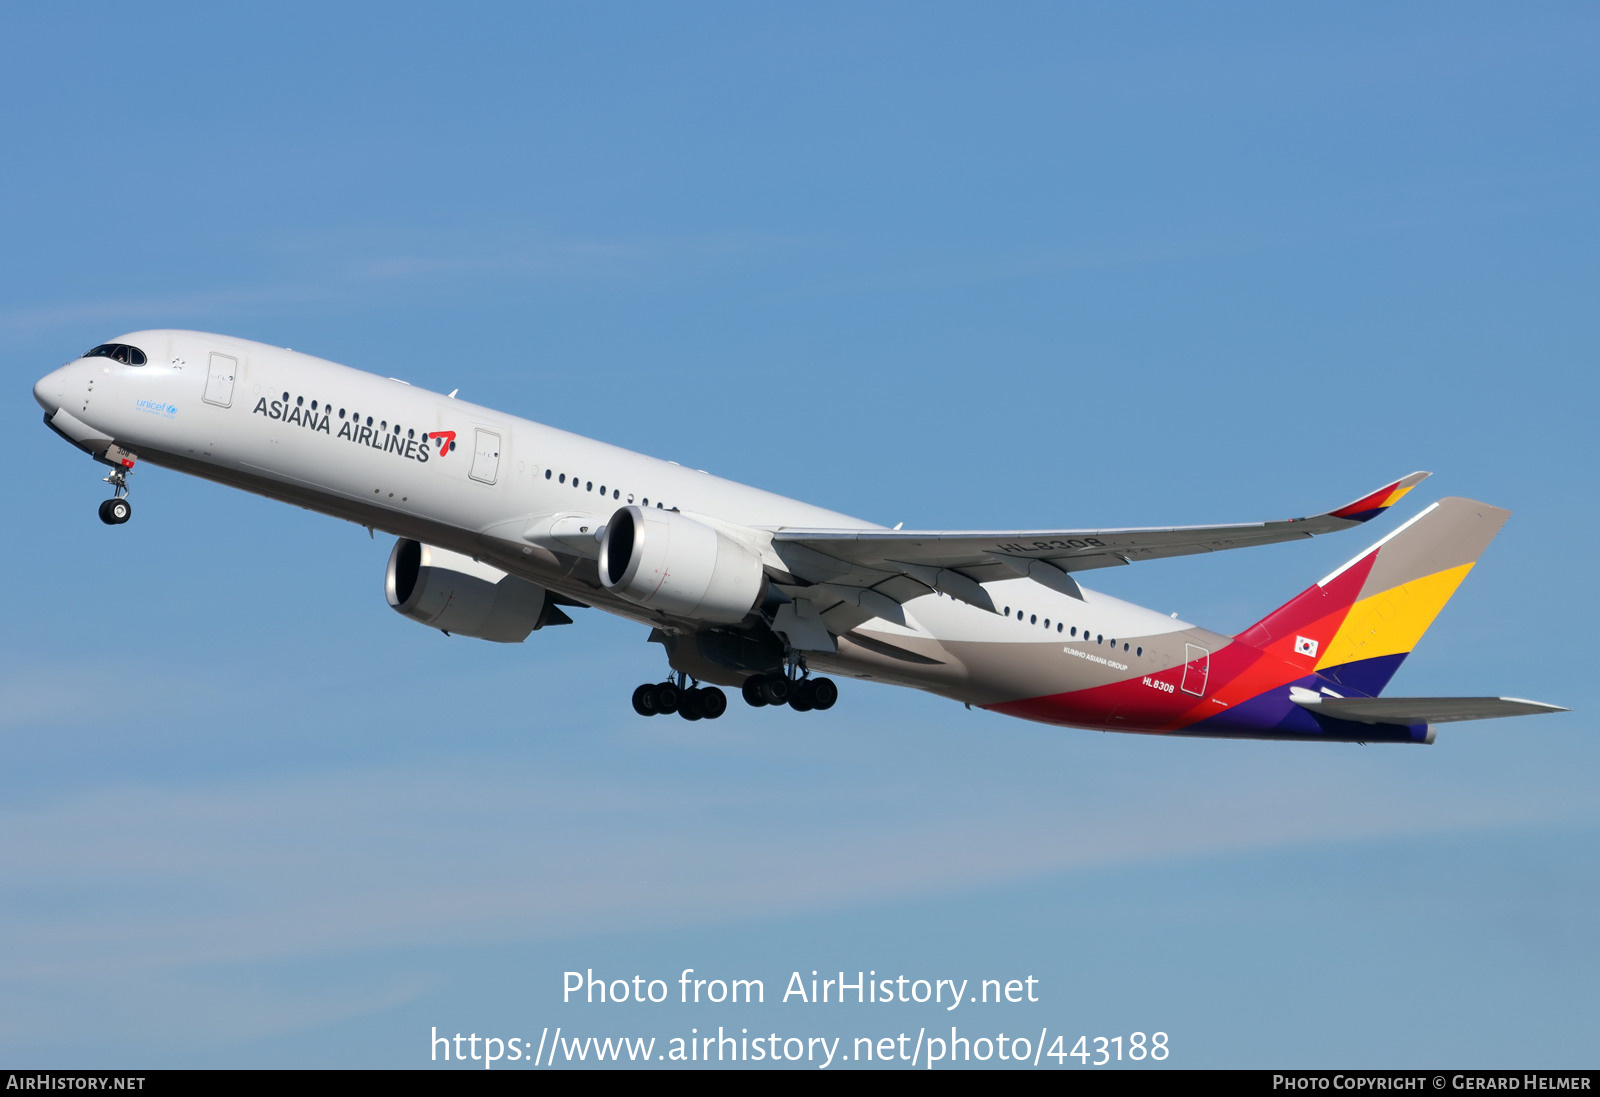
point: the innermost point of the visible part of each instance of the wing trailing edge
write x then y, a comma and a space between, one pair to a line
1422, 710
867, 568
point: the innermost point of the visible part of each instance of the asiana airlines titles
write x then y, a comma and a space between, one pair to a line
414, 449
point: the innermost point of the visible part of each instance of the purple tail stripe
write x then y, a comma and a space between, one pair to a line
1368, 676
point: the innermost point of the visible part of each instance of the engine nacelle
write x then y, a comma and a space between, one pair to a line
663, 561
458, 595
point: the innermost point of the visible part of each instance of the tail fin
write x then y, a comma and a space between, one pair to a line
1356, 626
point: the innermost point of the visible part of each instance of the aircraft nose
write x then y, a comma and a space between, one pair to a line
50, 390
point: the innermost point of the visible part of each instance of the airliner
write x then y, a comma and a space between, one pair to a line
504, 525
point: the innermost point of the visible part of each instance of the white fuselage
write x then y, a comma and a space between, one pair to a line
528, 498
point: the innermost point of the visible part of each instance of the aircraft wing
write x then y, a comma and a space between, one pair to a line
902, 564
1423, 710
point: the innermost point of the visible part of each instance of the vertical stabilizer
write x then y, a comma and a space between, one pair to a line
1356, 626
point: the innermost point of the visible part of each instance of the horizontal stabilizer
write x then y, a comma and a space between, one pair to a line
1422, 710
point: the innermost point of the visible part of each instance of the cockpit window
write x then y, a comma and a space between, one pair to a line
119, 352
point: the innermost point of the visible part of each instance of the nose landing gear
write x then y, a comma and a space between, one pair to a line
117, 510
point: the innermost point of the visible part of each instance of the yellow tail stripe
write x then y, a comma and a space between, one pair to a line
1392, 621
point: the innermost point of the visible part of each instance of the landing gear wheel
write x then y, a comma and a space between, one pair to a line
752, 691
668, 698
117, 510
803, 699
823, 693
644, 700
713, 702
775, 689
690, 707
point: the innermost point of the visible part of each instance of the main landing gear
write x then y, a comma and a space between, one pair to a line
676, 694
801, 694
117, 510
792, 686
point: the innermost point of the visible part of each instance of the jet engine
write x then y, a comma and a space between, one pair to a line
663, 561
458, 595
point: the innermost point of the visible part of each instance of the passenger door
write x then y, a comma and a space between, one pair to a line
219, 379
1196, 669
485, 456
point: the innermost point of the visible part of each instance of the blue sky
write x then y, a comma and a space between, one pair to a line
1052, 265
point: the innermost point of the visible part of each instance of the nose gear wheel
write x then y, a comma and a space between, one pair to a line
114, 512
117, 510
